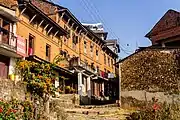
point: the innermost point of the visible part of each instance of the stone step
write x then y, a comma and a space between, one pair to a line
97, 106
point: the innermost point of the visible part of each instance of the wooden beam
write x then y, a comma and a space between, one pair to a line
40, 23
49, 30
56, 33
61, 17
46, 26
72, 25
68, 21
80, 32
76, 28
86, 34
93, 39
32, 18
22, 11
62, 14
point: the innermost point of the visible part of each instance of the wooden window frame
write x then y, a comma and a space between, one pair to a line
48, 52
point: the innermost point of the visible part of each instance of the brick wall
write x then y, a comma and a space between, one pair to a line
166, 27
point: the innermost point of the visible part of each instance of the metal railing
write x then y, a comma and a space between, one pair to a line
8, 39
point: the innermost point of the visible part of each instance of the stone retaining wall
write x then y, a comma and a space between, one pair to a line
9, 89
142, 96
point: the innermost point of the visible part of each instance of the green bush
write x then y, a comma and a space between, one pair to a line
15, 110
166, 112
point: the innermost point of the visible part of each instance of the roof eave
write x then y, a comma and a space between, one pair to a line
38, 10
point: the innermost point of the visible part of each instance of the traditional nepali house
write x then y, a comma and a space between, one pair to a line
166, 32
12, 46
42, 31
42, 37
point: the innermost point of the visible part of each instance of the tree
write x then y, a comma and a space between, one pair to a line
39, 78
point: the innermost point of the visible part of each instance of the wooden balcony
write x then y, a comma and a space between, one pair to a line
81, 65
7, 39
8, 43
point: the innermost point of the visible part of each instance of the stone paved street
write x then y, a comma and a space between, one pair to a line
113, 113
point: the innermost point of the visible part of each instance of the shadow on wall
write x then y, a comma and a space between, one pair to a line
85, 100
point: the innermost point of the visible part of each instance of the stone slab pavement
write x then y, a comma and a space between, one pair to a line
113, 113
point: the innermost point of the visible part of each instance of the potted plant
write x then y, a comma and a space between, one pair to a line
67, 89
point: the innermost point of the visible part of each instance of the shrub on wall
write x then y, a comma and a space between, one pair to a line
39, 78
15, 110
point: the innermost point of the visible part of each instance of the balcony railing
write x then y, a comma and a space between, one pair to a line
103, 74
88, 67
7, 39
75, 62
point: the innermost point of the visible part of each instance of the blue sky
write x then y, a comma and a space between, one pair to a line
129, 20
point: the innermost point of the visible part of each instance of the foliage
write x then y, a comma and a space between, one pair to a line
39, 77
15, 110
150, 70
166, 112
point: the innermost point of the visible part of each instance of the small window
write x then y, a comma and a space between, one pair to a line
31, 44
47, 52
105, 59
91, 48
108, 62
74, 41
96, 52
85, 47
112, 63
85, 44
97, 55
